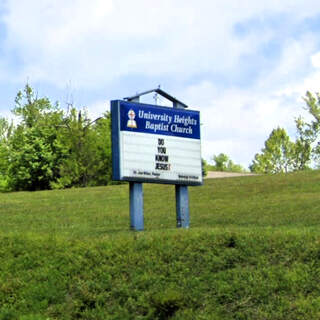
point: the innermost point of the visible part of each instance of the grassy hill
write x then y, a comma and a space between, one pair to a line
252, 252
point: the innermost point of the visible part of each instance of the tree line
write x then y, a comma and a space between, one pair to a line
51, 148
281, 154
222, 162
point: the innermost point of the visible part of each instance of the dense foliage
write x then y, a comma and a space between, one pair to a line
277, 155
50, 148
309, 132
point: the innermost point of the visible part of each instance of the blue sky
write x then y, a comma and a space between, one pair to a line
244, 64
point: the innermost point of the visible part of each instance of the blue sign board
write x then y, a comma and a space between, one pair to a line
155, 144
160, 120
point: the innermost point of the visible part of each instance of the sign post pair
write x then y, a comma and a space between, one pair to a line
156, 144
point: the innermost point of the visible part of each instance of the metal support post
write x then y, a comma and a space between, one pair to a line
136, 206
182, 206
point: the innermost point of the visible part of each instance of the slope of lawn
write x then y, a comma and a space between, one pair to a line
252, 252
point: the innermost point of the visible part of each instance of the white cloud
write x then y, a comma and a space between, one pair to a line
50, 26
237, 122
95, 43
302, 54
98, 41
97, 108
315, 59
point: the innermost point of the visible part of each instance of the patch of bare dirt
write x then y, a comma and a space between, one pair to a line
221, 174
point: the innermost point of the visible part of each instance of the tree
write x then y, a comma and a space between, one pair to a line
308, 141
5, 133
88, 144
277, 155
102, 130
204, 167
223, 163
35, 153
53, 149
302, 152
220, 162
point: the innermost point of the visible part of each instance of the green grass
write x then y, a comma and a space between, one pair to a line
252, 252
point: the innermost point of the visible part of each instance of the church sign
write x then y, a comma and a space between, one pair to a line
155, 144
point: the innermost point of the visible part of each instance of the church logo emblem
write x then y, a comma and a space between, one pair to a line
131, 122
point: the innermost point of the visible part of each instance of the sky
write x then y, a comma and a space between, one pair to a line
245, 65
